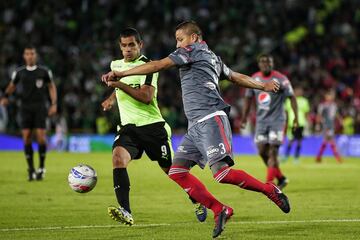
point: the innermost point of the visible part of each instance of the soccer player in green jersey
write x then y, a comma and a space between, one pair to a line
296, 134
142, 127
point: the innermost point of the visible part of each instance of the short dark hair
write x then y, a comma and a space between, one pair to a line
130, 32
30, 46
190, 27
264, 55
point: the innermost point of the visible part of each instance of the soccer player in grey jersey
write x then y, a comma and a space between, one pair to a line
270, 116
326, 115
208, 139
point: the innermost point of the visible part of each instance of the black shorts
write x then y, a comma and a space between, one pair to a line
297, 133
152, 138
33, 117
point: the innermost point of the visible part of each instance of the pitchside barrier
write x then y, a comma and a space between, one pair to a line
348, 145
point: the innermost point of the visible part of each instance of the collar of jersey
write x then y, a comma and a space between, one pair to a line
137, 59
31, 68
267, 77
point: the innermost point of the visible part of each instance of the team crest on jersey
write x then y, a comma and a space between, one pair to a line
264, 100
39, 83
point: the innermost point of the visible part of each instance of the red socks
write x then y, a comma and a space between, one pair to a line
321, 151
272, 173
333, 148
195, 188
335, 152
241, 179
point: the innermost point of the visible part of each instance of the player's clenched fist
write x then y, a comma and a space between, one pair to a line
107, 104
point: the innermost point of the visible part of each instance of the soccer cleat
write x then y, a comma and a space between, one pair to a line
279, 199
283, 182
221, 219
200, 212
120, 215
31, 175
40, 174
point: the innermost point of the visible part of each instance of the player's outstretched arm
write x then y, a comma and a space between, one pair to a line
143, 94
248, 82
10, 89
144, 69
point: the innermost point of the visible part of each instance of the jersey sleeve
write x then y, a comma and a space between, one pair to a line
48, 76
150, 80
225, 71
112, 65
181, 56
286, 86
15, 77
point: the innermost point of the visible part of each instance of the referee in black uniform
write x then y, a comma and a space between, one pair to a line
35, 85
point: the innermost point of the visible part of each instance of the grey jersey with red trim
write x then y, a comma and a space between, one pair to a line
327, 111
270, 105
200, 71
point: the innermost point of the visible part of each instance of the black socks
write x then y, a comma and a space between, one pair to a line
29, 156
42, 155
122, 187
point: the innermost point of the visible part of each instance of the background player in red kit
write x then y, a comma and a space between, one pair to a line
326, 117
270, 116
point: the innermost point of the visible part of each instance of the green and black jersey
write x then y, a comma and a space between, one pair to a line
131, 110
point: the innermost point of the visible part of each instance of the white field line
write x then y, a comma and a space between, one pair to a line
168, 224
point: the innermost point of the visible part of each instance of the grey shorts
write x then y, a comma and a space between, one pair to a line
270, 133
206, 142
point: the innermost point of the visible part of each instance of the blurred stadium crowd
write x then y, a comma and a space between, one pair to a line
315, 43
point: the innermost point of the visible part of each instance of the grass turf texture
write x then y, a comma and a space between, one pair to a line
161, 210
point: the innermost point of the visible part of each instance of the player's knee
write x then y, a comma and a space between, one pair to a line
272, 162
221, 176
41, 140
177, 172
166, 170
119, 161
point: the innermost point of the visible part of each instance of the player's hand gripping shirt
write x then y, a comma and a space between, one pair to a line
270, 105
200, 70
131, 110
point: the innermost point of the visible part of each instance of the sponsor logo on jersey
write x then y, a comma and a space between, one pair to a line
264, 100
212, 151
210, 85
39, 83
181, 149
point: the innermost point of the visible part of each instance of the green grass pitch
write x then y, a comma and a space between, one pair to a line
325, 201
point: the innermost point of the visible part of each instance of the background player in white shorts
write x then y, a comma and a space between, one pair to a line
270, 116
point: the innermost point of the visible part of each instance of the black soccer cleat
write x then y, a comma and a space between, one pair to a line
283, 182
279, 198
221, 219
31, 175
40, 174
200, 212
